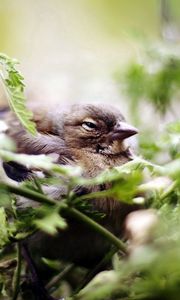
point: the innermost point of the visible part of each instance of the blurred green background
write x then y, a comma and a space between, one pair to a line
68, 49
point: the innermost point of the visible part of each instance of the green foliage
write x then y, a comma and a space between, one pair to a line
166, 145
14, 86
151, 85
155, 80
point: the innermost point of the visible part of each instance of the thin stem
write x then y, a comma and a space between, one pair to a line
17, 272
73, 212
38, 185
55, 280
38, 288
95, 195
96, 270
169, 190
33, 195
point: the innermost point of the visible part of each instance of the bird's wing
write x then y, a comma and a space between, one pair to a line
45, 142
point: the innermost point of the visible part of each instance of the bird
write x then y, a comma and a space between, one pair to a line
92, 136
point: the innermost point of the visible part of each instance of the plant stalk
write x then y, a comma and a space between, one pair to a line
70, 211
17, 272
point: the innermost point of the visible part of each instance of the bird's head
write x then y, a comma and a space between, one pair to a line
91, 135
96, 128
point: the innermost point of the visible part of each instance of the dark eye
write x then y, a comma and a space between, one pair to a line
90, 125
87, 125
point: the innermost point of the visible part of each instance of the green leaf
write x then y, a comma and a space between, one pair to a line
3, 228
14, 85
53, 264
51, 221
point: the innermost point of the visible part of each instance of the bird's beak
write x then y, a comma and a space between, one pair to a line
122, 131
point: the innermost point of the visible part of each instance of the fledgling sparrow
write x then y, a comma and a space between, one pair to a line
90, 136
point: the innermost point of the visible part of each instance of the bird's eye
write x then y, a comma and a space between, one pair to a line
89, 125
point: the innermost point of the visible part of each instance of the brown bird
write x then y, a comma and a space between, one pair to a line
90, 136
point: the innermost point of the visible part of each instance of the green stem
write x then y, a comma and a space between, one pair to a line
93, 195
169, 190
33, 195
17, 272
57, 279
38, 185
90, 275
73, 212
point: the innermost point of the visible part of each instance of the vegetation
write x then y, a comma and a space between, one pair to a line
149, 265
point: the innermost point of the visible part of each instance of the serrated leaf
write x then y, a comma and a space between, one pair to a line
50, 222
14, 85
